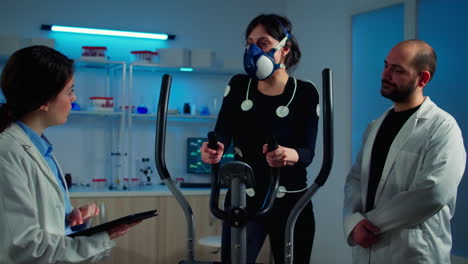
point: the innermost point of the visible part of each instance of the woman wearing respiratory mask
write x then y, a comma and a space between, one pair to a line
269, 102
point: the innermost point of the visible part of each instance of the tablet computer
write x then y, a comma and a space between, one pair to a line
108, 225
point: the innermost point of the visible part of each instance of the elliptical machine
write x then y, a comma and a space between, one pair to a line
234, 175
238, 175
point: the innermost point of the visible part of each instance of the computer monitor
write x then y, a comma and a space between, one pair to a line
194, 163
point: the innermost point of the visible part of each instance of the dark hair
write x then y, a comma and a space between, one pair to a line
277, 27
32, 76
425, 58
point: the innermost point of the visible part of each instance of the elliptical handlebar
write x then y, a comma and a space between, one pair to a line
327, 128
159, 154
272, 143
215, 187
324, 170
274, 181
160, 160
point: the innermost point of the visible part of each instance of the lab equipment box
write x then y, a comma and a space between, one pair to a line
202, 58
174, 57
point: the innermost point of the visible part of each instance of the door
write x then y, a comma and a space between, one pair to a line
374, 33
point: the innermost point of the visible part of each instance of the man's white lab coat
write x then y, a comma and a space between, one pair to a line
416, 195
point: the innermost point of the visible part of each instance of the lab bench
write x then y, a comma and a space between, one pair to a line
161, 239
149, 190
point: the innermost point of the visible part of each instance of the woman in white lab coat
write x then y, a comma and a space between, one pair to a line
35, 211
415, 197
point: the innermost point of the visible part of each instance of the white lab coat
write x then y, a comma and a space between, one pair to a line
32, 209
416, 195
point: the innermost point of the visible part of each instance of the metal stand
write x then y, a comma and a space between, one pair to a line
237, 174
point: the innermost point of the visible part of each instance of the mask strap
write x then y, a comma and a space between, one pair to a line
282, 43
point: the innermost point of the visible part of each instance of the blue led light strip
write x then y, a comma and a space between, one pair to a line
107, 32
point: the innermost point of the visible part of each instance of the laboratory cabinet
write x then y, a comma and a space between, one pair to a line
161, 239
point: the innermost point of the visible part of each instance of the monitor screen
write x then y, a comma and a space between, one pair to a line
195, 164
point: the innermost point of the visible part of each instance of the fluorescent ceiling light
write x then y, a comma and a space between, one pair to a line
107, 32
186, 69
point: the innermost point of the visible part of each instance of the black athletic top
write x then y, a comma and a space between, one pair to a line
390, 127
248, 130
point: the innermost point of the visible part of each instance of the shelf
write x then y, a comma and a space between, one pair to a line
151, 190
84, 63
141, 66
95, 113
171, 117
177, 117
98, 64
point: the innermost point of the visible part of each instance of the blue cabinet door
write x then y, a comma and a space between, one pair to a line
374, 33
443, 25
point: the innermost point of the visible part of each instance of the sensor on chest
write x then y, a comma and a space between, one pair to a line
281, 111
246, 105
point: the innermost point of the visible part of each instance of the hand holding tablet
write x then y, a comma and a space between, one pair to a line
117, 227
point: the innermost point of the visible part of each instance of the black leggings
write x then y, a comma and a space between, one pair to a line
274, 225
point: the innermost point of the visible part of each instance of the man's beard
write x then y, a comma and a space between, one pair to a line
399, 94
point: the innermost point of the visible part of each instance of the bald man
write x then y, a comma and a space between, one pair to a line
400, 194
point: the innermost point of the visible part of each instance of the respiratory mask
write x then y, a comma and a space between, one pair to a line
259, 64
